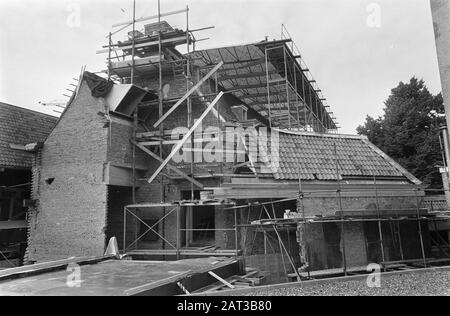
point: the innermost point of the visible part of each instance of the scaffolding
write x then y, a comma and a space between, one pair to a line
176, 247
299, 222
272, 82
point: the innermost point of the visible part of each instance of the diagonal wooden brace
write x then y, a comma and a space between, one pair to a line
186, 137
174, 169
194, 88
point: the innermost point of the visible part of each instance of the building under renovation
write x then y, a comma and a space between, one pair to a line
231, 151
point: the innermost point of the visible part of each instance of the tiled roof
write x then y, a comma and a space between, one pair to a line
21, 126
329, 156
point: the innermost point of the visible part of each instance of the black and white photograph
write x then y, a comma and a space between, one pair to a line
224, 153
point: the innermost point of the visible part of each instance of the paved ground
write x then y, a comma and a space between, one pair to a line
433, 283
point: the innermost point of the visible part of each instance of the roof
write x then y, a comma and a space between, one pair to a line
21, 126
332, 156
245, 74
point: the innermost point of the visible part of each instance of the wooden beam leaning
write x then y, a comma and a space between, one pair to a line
174, 169
186, 137
221, 280
194, 88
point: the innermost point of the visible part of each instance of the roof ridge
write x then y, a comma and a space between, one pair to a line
28, 110
316, 134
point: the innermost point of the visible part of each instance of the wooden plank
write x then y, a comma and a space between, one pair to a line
153, 285
170, 167
221, 280
7, 225
183, 288
186, 137
193, 89
153, 43
175, 141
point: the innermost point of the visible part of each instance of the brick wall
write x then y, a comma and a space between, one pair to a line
71, 213
325, 206
355, 244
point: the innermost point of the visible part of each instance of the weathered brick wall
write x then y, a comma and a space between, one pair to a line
355, 244
325, 245
120, 149
71, 213
325, 206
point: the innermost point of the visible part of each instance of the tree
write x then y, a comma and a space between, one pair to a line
409, 130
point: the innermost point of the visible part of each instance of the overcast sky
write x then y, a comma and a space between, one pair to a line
356, 55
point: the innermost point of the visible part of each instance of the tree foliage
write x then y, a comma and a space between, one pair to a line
409, 130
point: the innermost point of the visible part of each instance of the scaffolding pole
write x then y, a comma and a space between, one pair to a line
380, 231
419, 223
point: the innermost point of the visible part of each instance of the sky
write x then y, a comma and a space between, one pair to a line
357, 50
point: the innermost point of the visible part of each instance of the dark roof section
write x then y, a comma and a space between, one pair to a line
21, 126
325, 156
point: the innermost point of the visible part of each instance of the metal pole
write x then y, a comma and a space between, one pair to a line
282, 244
236, 232
420, 230
125, 210
380, 231
296, 90
303, 245
178, 233
287, 86
311, 109
109, 57
400, 238
305, 107
338, 177
133, 41
135, 123
268, 88
189, 100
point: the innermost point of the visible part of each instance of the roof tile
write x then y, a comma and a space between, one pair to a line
316, 155
21, 126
